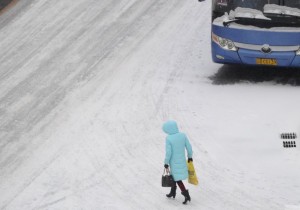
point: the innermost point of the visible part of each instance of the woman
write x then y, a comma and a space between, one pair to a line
176, 143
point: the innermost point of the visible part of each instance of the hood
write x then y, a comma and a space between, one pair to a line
170, 127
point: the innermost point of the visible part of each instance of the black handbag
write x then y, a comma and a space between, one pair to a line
167, 179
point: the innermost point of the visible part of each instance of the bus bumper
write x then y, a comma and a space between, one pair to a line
249, 57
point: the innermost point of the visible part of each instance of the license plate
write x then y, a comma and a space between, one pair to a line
266, 61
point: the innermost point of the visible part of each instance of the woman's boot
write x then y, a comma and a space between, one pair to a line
172, 193
186, 196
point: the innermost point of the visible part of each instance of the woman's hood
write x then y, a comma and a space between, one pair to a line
170, 127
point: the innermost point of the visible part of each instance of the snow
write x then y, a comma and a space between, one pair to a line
241, 12
86, 87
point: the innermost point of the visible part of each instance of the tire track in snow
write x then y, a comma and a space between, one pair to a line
30, 113
57, 87
214, 187
55, 91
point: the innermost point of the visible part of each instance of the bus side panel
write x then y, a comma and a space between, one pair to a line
296, 62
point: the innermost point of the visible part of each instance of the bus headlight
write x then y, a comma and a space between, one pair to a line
222, 42
226, 44
298, 52
230, 45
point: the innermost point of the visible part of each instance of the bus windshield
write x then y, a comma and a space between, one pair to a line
253, 4
260, 13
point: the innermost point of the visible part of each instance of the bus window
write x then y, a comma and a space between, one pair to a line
253, 4
295, 4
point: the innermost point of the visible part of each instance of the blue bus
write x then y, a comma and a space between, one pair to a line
256, 32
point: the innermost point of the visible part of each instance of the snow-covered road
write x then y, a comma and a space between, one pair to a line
85, 86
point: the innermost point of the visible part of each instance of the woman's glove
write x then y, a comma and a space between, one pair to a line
166, 166
190, 159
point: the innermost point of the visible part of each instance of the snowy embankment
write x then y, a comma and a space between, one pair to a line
86, 87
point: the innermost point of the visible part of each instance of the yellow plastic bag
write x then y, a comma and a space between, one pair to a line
192, 173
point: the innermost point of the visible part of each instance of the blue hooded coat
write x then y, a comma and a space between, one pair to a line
176, 143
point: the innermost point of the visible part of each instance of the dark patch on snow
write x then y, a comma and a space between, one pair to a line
288, 136
4, 3
232, 74
289, 144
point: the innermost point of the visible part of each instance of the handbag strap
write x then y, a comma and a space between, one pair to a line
166, 171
